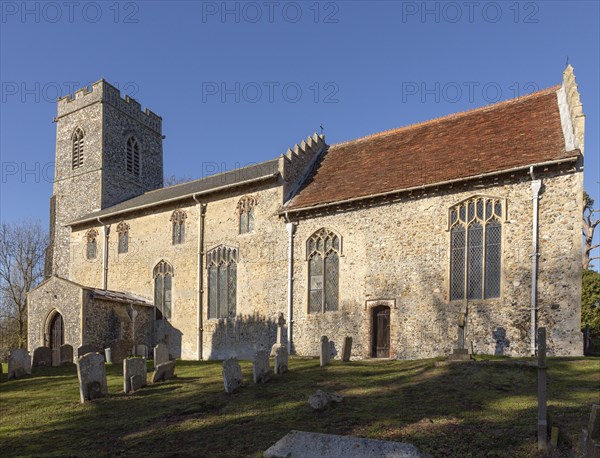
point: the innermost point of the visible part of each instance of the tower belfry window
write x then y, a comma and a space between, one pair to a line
77, 153
133, 156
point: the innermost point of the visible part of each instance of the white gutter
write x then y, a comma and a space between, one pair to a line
291, 228
429, 186
536, 185
104, 255
199, 277
175, 199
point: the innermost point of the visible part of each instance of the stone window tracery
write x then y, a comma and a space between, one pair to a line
133, 156
476, 248
245, 208
77, 152
221, 263
123, 234
163, 281
178, 225
323, 250
91, 250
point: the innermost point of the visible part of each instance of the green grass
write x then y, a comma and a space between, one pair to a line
481, 410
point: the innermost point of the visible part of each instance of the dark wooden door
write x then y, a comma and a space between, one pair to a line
56, 332
381, 332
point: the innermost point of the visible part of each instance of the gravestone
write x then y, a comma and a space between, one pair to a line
321, 400
232, 375
19, 363
325, 351
108, 355
133, 367
592, 434
66, 354
91, 373
281, 360
161, 354
279, 343
347, 349
42, 356
140, 350
300, 444
1, 370
261, 371
120, 350
164, 372
137, 381
87, 349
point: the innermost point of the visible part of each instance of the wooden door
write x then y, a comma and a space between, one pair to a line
56, 332
381, 332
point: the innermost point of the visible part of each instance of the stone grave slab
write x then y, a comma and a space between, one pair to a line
87, 349
133, 367
164, 372
140, 350
281, 360
91, 373
42, 356
66, 354
19, 363
325, 355
232, 375
347, 349
161, 354
300, 444
261, 370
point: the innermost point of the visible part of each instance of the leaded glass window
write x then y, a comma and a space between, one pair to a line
323, 252
245, 209
221, 263
178, 226
91, 250
123, 235
163, 283
133, 156
77, 153
475, 249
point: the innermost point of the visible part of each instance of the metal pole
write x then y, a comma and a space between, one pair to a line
542, 414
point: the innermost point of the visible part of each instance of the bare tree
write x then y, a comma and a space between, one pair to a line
22, 248
590, 222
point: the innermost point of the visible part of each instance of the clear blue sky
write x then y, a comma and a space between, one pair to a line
361, 67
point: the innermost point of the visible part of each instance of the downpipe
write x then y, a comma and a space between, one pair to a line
536, 186
291, 228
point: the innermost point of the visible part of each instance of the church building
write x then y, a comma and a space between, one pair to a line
463, 231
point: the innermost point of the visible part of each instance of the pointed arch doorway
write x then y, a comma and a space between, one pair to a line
56, 331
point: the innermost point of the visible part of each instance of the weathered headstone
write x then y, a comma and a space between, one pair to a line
261, 371
137, 381
592, 438
347, 349
120, 350
140, 350
164, 372
325, 351
279, 343
300, 444
133, 367
542, 423
321, 399
161, 354
232, 375
108, 355
281, 360
66, 354
92, 377
87, 349
19, 363
42, 356
1, 370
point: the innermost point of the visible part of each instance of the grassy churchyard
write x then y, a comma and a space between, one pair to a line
487, 409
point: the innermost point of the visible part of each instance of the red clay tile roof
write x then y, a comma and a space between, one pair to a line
510, 134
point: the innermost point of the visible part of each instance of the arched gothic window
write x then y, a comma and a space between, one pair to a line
178, 221
163, 282
77, 153
475, 248
133, 156
245, 208
323, 254
221, 263
91, 250
123, 232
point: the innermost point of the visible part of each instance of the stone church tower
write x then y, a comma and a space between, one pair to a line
107, 150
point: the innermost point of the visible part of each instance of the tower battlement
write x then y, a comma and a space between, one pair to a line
104, 92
